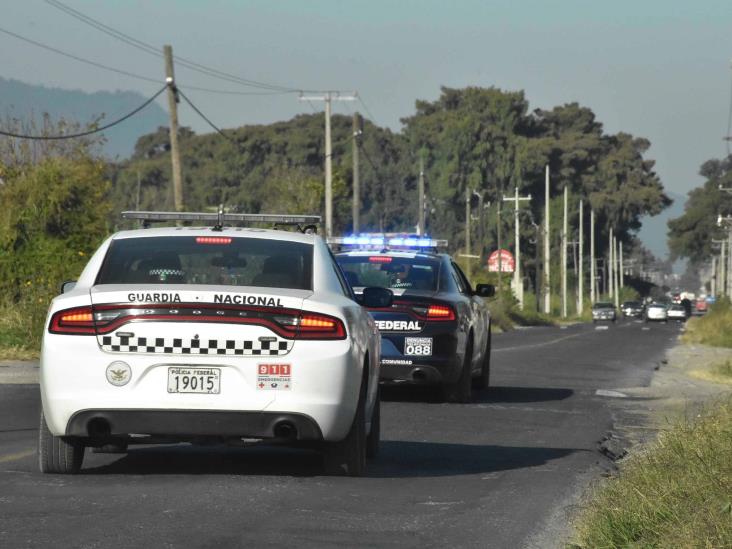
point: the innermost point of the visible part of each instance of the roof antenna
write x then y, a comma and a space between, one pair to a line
220, 222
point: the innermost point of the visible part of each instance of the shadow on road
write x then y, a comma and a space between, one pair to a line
427, 394
402, 459
397, 459
521, 394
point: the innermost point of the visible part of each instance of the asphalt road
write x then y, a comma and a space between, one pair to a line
504, 471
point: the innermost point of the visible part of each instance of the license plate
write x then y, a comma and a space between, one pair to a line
194, 380
418, 346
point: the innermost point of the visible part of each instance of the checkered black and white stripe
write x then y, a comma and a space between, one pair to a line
179, 346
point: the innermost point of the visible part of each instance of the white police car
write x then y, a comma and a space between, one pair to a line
214, 334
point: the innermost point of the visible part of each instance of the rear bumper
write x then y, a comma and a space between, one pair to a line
188, 423
423, 374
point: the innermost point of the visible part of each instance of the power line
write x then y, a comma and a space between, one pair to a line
80, 59
366, 108
152, 50
128, 73
198, 111
89, 132
235, 92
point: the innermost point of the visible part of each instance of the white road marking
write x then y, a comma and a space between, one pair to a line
552, 342
602, 327
16, 457
609, 393
645, 328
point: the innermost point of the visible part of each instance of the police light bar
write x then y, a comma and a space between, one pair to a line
219, 218
371, 241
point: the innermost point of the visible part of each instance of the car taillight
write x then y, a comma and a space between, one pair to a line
440, 312
317, 326
380, 259
78, 320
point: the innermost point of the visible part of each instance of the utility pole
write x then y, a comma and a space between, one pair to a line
723, 270
580, 298
137, 200
564, 255
328, 98
481, 243
421, 229
517, 280
547, 259
173, 100
622, 270
500, 249
467, 231
616, 282
357, 131
713, 282
593, 296
610, 276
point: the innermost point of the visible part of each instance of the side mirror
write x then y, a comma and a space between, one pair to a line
377, 298
68, 286
485, 290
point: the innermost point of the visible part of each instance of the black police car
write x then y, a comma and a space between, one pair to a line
437, 330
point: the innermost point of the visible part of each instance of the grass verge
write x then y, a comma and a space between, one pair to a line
714, 328
20, 327
676, 493
718, 373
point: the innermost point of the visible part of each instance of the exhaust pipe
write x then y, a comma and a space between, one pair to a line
98, 428
285, 430
419, 375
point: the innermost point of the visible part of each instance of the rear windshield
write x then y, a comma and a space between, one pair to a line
209, 260
386, 271
603, 306
631, 304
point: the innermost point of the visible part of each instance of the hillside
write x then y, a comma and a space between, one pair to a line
26, 101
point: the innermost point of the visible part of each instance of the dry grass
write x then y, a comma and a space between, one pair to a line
676, 493
714, 328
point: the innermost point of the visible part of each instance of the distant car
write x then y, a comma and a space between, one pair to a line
700, 307
677, 312
657, 312
603, 310
632, 309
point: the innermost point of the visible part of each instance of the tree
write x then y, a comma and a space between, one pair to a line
691, 234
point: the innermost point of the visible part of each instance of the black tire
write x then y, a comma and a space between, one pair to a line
374, 437
58, 455
483, 382
348, 456
459, 392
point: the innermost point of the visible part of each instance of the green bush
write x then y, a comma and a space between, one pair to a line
54, 217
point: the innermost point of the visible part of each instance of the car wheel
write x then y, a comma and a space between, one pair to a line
374, 437
348, 456
58, 455
460, 390
484, 381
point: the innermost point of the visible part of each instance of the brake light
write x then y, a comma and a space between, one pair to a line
440, 312
78, 321
317, 326
380, 259
213, 240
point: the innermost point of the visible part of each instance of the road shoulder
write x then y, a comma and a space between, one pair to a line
13, 372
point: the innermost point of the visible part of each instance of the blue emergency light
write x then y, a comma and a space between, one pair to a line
387, 240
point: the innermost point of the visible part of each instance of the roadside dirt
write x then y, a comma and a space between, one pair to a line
18, 371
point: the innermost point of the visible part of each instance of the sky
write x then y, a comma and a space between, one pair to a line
659, 69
